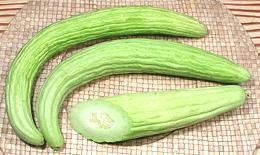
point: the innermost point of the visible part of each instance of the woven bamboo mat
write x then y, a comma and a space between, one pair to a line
235, 132
247, 11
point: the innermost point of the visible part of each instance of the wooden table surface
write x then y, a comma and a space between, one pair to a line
247, 11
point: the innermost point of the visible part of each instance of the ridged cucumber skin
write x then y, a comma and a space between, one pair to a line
159, 112
66, 33
121, 57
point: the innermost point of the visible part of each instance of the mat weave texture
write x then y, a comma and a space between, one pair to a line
236, 132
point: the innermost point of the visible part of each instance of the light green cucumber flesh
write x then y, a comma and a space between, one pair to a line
131, 116
101, 120
78, 29
121, 57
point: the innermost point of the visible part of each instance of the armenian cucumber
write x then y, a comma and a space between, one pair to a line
66, 33
130, 116
126, 56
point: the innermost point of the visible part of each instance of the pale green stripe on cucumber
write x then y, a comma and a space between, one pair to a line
66, 33
127, 56
130, 116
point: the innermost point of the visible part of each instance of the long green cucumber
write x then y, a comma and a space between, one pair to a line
126, 56
130, 116
66, 33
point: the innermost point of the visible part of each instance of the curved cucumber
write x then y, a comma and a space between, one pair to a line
126, 56
130, 116
66, 33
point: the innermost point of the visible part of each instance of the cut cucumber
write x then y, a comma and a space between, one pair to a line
130, 116
99, 120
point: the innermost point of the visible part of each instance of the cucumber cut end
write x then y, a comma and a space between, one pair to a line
100, 121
